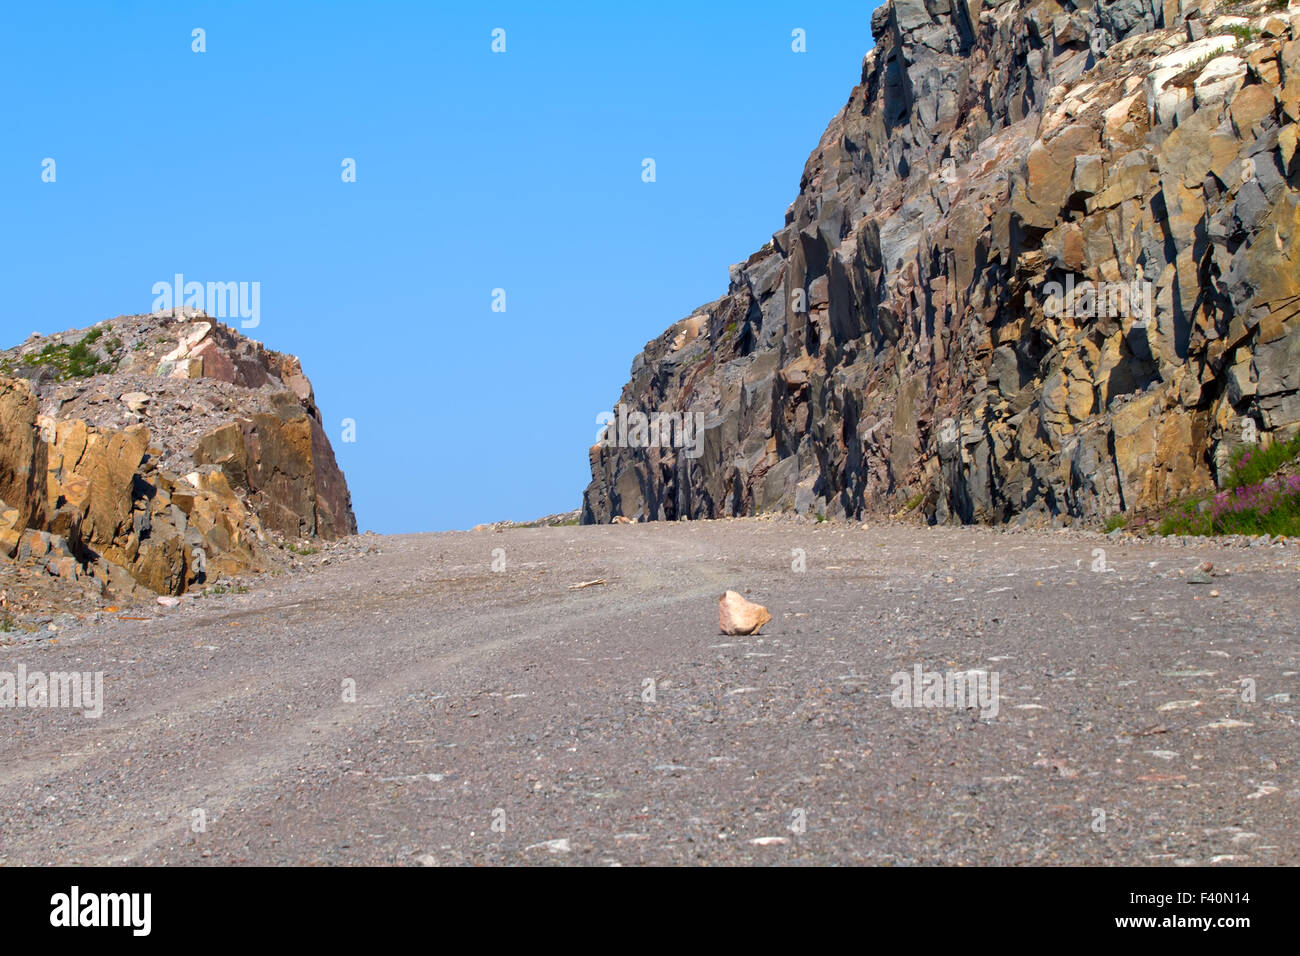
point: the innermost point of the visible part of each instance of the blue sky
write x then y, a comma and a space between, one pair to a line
475, 171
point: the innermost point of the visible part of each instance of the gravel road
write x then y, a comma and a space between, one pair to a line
503, 717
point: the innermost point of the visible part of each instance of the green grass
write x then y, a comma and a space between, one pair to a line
7, 622
1259, 496
1251, 464
221, 587
913, 501
302, 549
1116, 521
1185, 519
78, 360
1243, 32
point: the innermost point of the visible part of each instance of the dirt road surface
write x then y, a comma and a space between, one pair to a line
503, 717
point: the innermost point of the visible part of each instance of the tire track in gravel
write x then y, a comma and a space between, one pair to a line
247, 721
236, 769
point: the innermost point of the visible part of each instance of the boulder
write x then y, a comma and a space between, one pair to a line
136, 402
739, 616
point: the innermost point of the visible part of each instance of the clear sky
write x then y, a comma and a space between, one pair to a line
475, 171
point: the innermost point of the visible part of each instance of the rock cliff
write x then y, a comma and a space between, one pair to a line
158, 452
1042, 266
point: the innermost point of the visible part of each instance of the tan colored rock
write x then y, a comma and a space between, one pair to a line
104, 509
1275, 27
1275, 264
1073, 253
94, 470
23, 454
1128, 179
1089, 175
1264, 65
9, 539
689, 332
1287, 140
797, 373
136, 402
1050, 172
739, 616
160, 564
1127, 121
286, 465
1290, 97
65, 567
1249, 107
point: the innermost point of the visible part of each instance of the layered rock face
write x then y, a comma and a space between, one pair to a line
158, 452
1042, 266
22, 452
285, 462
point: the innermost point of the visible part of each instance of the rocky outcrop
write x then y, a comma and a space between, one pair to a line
286, 465
108, 499
169, 465
22, 455
1042, 266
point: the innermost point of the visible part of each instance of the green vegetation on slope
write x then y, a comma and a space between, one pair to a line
79, 360
1261, 495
